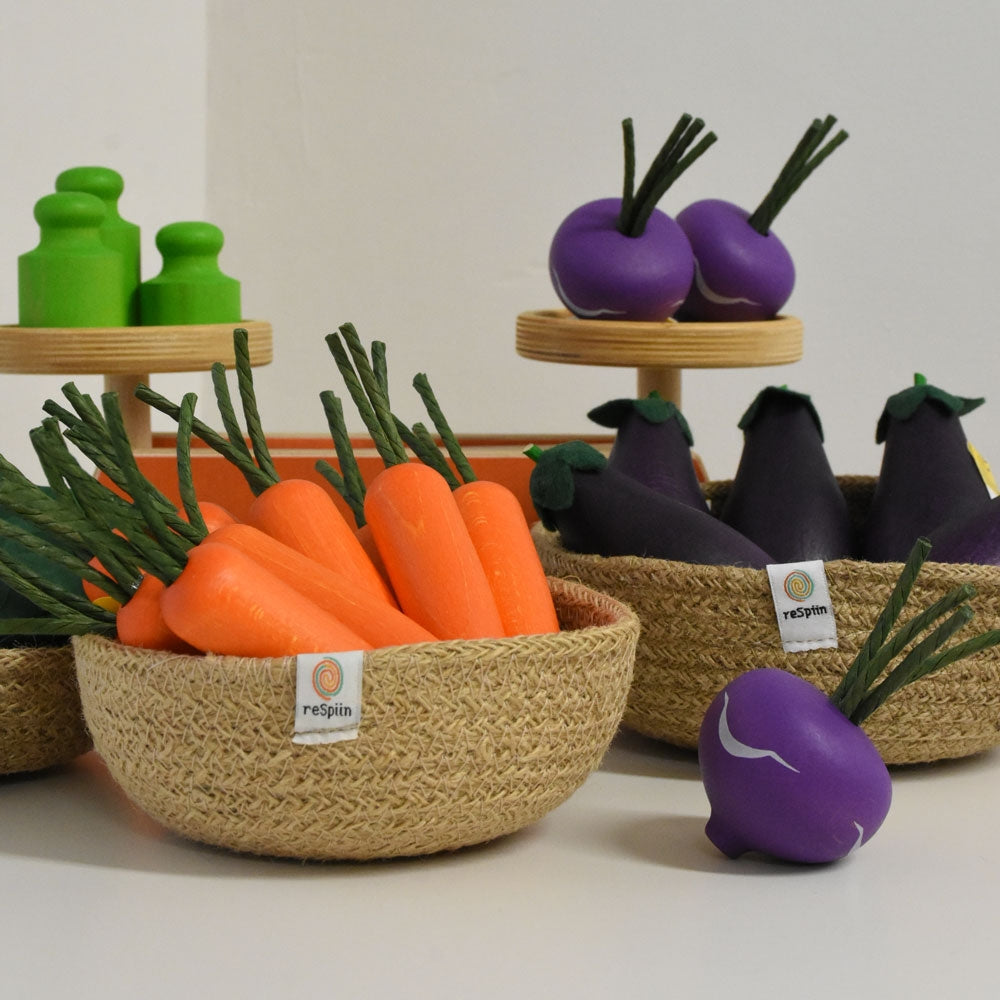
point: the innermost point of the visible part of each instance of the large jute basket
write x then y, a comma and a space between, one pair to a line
704, 625
41, 721
460, 742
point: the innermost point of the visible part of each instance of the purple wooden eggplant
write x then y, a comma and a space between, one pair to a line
973, 537
743, 272
622, 258
599, 511
787, 769
784, 495
787, 773
652, 445
927, 475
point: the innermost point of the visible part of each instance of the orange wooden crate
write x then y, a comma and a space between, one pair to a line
496, 457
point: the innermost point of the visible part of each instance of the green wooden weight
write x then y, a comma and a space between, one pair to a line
117, 233
190, 289
72, 278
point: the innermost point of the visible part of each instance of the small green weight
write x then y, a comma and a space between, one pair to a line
72, 278
117, 233
190, 289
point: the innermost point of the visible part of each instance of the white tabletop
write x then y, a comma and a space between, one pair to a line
617, 893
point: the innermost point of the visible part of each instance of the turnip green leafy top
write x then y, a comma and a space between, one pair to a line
805, 158
672, 160
856, 696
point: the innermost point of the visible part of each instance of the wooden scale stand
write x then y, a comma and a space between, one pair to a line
658, 351
126, 356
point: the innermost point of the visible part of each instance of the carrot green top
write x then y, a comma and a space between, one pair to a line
654, 409
774, 392
904, 404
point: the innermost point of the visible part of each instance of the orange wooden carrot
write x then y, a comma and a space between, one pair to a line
428, 554
140, 620
500, 533
377, 622
303, 515
224, 602
214, 514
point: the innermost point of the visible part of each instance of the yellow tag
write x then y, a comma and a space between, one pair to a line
984, 470
106, 602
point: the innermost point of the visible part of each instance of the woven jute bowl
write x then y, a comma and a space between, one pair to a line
460, 742
41, 720
704, 625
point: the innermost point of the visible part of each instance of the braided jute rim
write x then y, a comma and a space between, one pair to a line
460, 741
704, 625
41, 721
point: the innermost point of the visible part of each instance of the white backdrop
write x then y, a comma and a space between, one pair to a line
403, 165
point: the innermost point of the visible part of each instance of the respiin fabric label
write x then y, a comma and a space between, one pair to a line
802, 606
328, 696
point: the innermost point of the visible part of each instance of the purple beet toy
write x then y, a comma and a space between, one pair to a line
787, 768
622, 258
742, 270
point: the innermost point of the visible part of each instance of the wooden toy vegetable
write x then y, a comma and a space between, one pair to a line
784, 495
225, 602
598, 510
430, 558
927, 475
787, 768
298, 512
972, 537
742, 270
623, 258
375, 620
490, 512
652, 445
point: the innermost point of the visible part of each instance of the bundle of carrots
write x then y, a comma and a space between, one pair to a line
432, 555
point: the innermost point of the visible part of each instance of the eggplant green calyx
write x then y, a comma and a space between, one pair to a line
905, 403
551, 485
674, 157
805, 158
779, 393
654, 409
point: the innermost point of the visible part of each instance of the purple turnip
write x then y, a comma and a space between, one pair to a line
788, 770
742, 271
787, 773
623, 258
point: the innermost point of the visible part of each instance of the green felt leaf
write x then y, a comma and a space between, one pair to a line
772, 392
551, 485
654, 409
904, 404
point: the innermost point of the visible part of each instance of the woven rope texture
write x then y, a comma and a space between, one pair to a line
704, 625
41, 721
460, 742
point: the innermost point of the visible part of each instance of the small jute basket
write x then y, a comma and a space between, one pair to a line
704, 625
41, 720
460, 742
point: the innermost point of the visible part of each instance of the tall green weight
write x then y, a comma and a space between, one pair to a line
118, 233
72, 278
